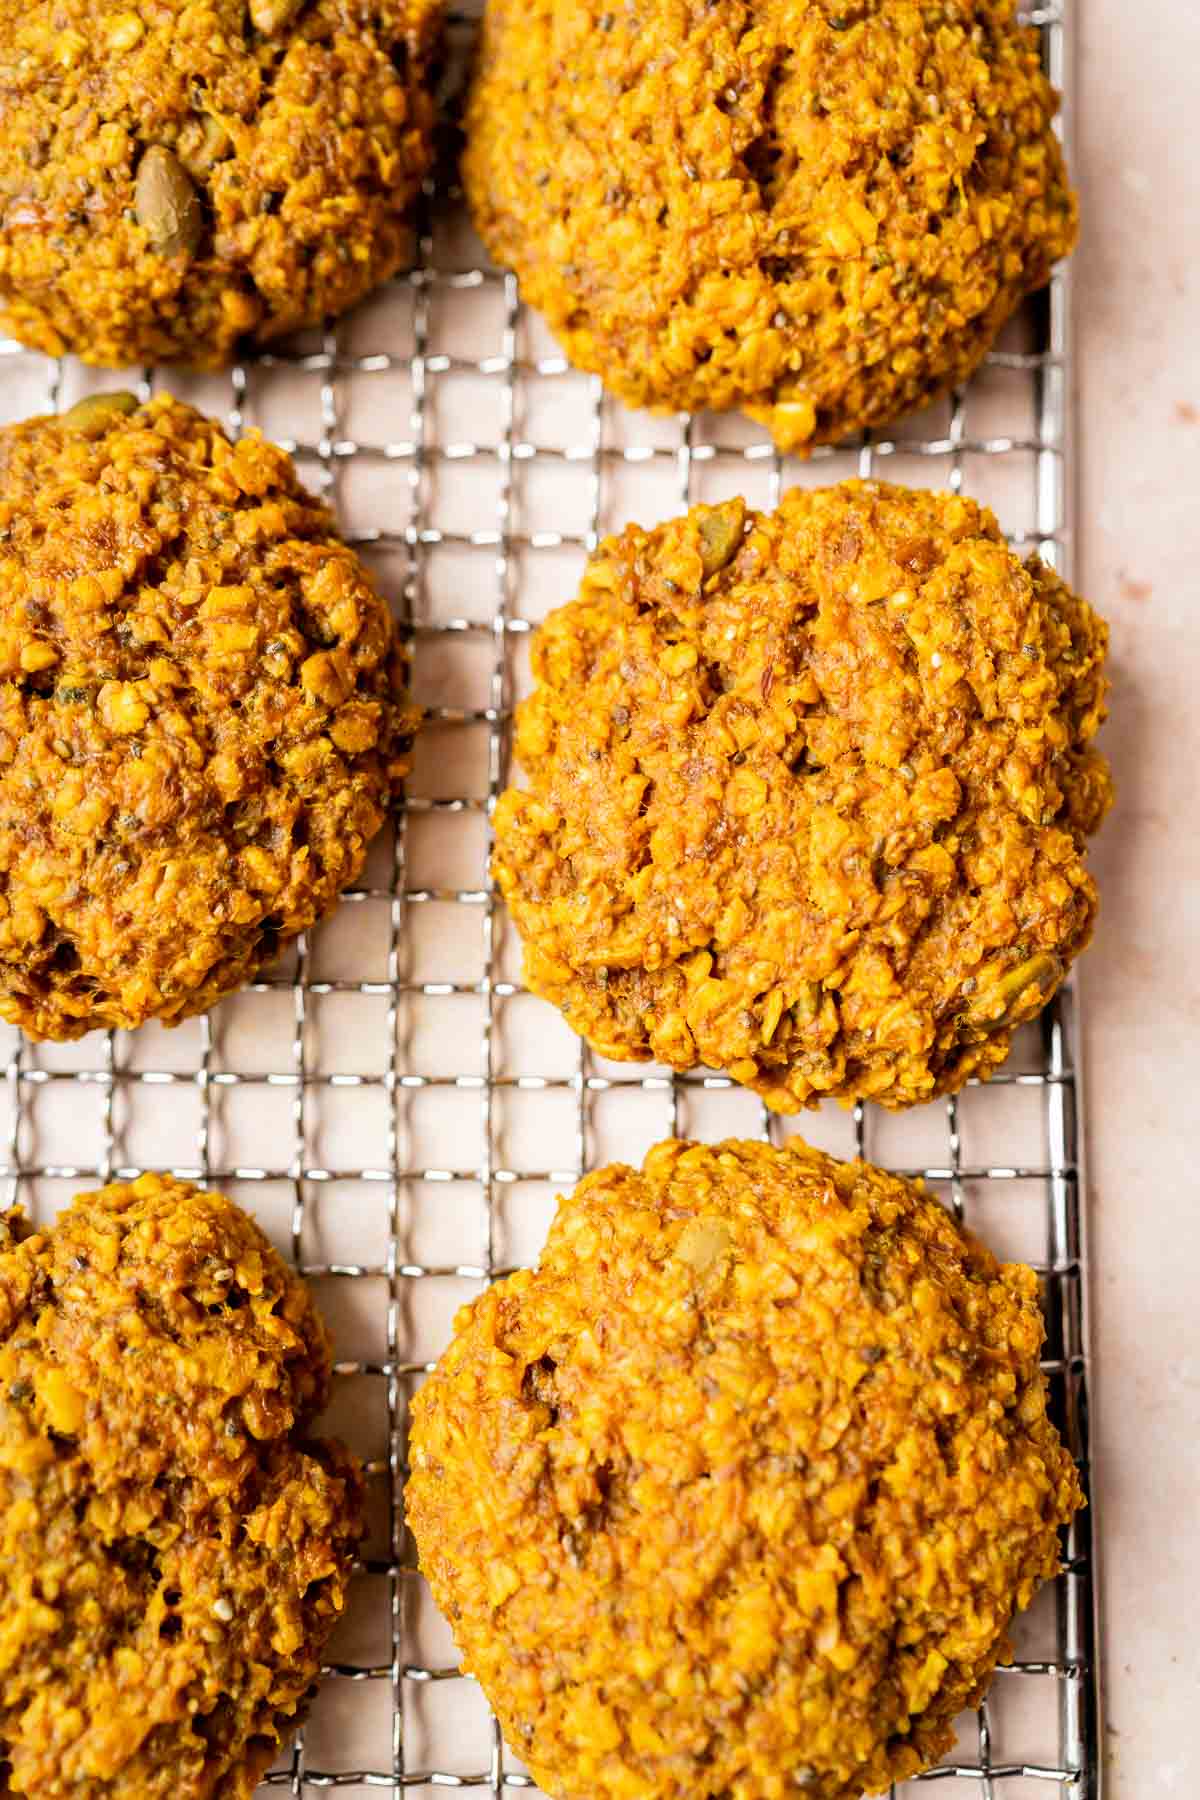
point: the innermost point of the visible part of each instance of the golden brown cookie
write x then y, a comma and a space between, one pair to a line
820, 212
202, 716
737, 1494
809, 794
175, 177
174, 1549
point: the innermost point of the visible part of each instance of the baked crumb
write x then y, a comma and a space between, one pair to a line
739, 1491
809, 794
202, 714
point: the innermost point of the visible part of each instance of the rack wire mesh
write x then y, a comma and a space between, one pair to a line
389, 1102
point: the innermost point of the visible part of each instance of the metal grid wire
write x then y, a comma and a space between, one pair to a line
458, 1180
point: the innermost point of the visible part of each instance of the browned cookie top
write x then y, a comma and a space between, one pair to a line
202, 716
808, 794
736, 1495
173, 1549
176, 174
818, 211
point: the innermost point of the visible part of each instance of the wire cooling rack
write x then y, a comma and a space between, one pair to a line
392, 1106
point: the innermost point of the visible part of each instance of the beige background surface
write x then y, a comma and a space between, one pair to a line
1137, 559
1139, 544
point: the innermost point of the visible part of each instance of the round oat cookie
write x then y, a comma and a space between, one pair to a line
820, 212
174, 1548
737, 1494
808, 795
202, 716
177, 175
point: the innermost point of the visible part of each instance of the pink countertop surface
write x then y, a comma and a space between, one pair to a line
1138, 560
1137, 324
